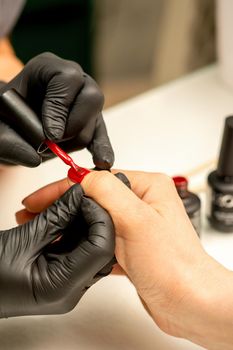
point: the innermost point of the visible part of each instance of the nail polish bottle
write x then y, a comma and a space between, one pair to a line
220, 184
191, 202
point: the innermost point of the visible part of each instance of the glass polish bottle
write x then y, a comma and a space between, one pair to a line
220, 184
191, 201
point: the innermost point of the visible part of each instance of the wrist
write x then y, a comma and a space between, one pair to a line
204, 312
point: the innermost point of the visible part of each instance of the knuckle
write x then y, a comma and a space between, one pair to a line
72, 71
41, 57
94, 96
85, 135
46, 55
162, 178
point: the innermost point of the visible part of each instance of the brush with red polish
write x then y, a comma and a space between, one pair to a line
18, 115
75, 173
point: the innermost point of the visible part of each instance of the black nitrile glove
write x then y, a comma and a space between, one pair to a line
39, 276
69, 103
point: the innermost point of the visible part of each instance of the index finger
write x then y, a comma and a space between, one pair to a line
45, 196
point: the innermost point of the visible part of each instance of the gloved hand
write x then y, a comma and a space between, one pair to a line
69, 103
39, 276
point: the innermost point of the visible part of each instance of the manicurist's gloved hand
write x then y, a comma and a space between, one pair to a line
40, 276
69, 103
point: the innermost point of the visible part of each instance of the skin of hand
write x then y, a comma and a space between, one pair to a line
187, 293
69, 104
47, 264
10, 65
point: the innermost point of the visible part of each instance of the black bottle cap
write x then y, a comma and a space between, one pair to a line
181, 184
15, 112
225, 162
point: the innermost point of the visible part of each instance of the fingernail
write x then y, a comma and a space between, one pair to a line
122, 177
54, 135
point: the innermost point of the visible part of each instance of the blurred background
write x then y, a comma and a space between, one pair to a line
129, 46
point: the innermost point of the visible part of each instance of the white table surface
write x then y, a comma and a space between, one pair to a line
171, 129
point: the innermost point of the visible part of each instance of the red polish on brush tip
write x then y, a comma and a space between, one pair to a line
75, 173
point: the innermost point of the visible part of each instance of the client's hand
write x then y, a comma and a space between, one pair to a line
156, 245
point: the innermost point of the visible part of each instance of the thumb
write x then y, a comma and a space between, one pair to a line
125, 208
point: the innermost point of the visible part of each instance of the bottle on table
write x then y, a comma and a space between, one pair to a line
191, 201
220, 184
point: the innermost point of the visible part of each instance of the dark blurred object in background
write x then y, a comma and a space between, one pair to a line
143, 44
127, 46
60, 26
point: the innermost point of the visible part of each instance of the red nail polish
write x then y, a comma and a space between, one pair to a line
75, 173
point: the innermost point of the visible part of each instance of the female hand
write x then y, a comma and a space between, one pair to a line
156, 245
